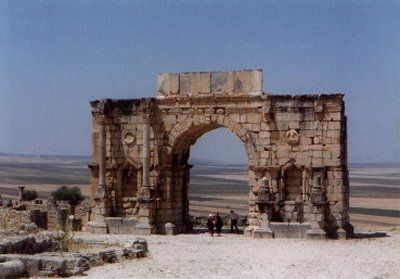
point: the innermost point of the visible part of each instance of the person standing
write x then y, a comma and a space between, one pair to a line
218, 224
210, 224
234, 220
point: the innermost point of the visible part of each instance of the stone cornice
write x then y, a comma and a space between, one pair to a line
145, 103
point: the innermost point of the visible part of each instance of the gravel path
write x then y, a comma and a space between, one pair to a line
234, 256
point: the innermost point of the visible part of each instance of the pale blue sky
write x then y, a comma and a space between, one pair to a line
56, 56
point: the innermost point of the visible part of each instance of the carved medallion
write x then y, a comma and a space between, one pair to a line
319, 106
220, 111
292, 137
129, 138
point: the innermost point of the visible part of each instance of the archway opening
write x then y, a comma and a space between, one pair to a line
218, 180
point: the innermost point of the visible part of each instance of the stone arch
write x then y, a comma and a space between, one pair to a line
190, 104
180, 138
185, 134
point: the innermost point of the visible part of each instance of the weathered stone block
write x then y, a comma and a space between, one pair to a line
248, 81
222, 82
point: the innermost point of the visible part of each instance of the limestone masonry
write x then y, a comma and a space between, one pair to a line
296, 147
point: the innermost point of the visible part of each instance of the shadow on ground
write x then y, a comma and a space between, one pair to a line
362, 235
224, 231
359, 235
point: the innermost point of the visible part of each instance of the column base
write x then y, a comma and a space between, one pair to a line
97, 227
143, 228
170, 229
248, 231
346, 232
316, 234
263, 232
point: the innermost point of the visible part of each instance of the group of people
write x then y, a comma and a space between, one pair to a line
215, 223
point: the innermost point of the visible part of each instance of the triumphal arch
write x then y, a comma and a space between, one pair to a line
296, 147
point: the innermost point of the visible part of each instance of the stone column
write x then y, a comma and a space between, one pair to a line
168, 184
145, 201
21, 192
303, 185
345, 229
265, 207
102, 158
317, 214
98, 224
146, 153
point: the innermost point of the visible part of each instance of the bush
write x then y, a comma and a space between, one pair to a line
29, 195
72, 195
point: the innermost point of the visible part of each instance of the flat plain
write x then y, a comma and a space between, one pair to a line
374, 207
374, 188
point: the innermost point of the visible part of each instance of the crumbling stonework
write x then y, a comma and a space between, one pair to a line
296, 147
45, 216
43, 254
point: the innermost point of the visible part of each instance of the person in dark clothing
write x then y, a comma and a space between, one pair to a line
210, 224
218, 224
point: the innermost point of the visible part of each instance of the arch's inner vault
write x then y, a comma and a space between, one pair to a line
296, 147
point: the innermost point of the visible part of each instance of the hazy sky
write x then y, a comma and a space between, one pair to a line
56, 56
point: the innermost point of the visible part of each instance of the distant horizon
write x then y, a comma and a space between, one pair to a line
190, 158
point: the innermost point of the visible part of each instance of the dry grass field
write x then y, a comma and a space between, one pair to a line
375, 188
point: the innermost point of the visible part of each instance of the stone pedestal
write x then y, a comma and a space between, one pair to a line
248, 231
265, 206
263, 232
316, 234
317, 214
290, 230
346, 232
97, 227
170, 229
143, 228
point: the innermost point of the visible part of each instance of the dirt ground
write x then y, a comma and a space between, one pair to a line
235, 256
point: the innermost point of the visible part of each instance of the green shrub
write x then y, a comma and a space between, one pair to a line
72, 195
29, 195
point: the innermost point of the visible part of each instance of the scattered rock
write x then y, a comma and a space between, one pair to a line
140, 244
30, 227
12, 269
39, 255
28, 244
108, 255
21, 207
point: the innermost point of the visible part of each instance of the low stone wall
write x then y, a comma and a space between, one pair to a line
46, 216
29, 244
42, 255
13, 219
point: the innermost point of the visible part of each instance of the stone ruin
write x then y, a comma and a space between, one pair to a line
27, 249
296, 147
45, 215
43, 254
